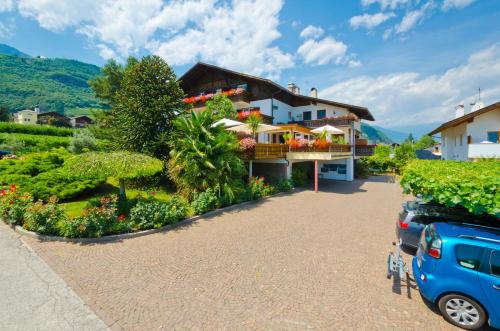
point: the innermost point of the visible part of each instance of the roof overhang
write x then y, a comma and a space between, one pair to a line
465, 119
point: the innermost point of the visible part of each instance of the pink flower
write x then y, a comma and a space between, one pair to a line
121, 218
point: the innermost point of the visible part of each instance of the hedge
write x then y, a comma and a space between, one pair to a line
10, 127
25, 143
472, 185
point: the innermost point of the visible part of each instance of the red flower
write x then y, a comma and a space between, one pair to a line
153, 193
13, 188
121, 218
2, 193
11, 202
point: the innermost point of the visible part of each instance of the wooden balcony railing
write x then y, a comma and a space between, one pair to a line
364, 150
265, 151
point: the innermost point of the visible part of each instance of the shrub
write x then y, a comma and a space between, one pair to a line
299, 176
151, 213
381, 160
258, 188
204, 201
247, 143
44, 218
472, 185
9, 127
284, 185
41, 175
361, 168
402, 155
21, 143
96, 222
82, 141
13, 205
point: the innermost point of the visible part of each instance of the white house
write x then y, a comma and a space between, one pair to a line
472, 135
293, 113
26, 116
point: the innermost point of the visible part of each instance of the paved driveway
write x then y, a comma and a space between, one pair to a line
302, 261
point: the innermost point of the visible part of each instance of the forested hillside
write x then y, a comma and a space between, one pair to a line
53, 84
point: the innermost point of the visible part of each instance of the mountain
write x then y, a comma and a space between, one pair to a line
375, 135
395, 136
8, 50
53, 84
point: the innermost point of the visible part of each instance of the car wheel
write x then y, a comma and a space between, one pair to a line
462, 311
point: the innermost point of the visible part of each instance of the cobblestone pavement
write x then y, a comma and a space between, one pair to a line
32, 296
296, 262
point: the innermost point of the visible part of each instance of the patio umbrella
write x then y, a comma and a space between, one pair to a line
328, 129
226, 122
245, 128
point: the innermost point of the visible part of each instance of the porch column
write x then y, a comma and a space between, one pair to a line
250, 170
316, 176
289, 170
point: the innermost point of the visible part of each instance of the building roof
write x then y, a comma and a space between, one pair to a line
466, 118
201, 68
294, 128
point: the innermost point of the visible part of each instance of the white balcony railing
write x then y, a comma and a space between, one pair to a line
484, 150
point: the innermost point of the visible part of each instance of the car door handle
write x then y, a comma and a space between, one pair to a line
496, 287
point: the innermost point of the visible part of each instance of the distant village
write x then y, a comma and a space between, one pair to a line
34, 116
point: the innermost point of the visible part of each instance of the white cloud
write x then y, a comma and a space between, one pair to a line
458, 4
387, 33
369, 21
237, 34
405, 99
323, 51
414, 17
6, 5
392, 4
354, 63
312, 31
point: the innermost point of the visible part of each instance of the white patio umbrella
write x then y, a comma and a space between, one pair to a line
328, 129
245, 128
226, 122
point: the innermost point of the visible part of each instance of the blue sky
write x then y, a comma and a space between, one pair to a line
409, 61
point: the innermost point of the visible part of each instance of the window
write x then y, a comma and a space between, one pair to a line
495, 263
289, 115
469, 256
307, 116
455, 141
469, 139
321, 114
461, 138
493, 136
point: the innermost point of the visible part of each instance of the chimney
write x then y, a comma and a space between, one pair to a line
313, 93
459, 111
37, 110
293, 88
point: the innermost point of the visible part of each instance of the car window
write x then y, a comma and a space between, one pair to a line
469, 256
495, 263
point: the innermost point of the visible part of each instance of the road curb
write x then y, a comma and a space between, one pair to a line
121, 236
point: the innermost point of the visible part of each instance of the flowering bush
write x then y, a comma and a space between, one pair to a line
247, 143
151, 213
321, 143
96, 222
204, 201
258, 188
13, 204
44, 218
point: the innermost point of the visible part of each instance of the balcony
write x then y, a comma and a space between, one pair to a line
265, 151
364, 150
334, 121
483, 151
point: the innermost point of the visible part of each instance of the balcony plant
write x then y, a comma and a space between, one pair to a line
247, 143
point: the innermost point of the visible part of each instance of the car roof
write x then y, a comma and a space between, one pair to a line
469, 231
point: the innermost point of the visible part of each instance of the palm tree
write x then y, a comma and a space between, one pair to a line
203, 157
253, 122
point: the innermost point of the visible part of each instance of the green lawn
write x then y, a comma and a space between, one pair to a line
75, 207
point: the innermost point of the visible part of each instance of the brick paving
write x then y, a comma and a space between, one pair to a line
297, 262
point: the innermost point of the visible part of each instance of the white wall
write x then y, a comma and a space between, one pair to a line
478, 129
349, 175
452, 149
331, 111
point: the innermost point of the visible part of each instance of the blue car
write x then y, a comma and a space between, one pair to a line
457, 267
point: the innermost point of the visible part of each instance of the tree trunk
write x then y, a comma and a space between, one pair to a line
122, 188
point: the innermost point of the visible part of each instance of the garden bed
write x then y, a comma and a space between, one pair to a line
115, 237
